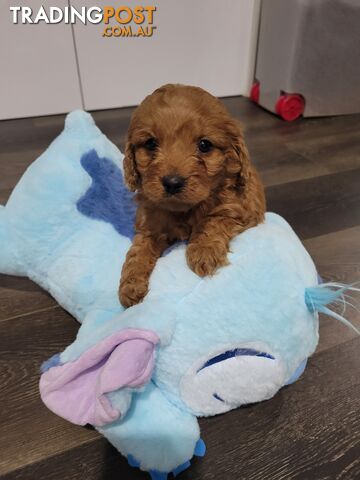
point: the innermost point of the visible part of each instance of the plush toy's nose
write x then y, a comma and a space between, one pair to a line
173, 184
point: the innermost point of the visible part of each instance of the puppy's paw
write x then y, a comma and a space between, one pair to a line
204, 259
132, 291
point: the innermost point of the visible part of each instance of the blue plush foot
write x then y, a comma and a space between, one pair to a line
200, 450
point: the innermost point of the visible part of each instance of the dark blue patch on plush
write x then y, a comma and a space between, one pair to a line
235, 353
107, 199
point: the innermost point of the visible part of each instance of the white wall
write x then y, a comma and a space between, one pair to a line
38, 73
210, 43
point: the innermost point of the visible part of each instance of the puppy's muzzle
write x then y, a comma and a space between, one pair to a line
173, 184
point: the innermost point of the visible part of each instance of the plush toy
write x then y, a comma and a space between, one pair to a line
194, 347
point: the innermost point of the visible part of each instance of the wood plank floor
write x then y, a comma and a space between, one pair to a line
310, 430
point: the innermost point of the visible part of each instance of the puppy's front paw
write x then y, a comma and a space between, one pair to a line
204, 259
132, 291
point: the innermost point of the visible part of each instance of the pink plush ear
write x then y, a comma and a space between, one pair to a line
76, 390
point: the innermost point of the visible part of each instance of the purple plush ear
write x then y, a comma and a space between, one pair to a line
76, 390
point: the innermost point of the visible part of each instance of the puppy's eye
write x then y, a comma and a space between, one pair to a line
205, 145
151, 144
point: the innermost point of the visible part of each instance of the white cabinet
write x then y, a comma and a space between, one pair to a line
38, 71
209, 43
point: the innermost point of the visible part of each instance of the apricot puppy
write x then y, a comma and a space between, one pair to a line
186, 158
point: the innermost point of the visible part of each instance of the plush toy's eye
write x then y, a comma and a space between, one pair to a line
205, 145
151, 144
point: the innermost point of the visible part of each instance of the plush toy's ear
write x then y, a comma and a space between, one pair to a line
132, 177
77, 390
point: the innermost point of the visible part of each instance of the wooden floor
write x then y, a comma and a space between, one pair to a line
310, 430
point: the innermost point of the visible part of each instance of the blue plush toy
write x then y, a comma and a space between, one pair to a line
194, 347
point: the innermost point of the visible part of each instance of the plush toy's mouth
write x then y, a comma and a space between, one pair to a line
217, 397
233, 375
236, 352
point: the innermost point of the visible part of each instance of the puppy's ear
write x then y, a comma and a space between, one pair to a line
132, 177
237, 156
245, 177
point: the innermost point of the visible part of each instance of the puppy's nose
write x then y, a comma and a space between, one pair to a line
173, 183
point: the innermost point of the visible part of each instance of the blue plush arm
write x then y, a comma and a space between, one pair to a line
155, 435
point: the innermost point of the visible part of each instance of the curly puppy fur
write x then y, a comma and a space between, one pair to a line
187, 159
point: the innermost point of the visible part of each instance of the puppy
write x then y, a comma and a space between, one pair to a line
187, 160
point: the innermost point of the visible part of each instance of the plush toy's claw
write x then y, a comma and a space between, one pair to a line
132, 462
53, 361
200, 448
155, 475
181, 468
